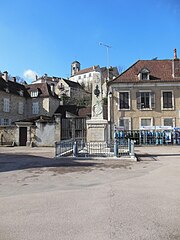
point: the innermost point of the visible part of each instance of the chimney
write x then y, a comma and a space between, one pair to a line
175, 54
14, 79
176, 65
52, 89
45, 77
5, 76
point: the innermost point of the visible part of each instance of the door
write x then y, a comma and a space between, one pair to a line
22, 136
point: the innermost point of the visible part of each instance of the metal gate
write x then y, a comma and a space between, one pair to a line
74, 128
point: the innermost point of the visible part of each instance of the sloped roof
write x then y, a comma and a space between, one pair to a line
62, 109
12, 87
86, 70
43, 89
40, 118
73, 84
159, 70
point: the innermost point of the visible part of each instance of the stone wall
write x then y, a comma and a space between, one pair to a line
44, 134
8, 135
14, 100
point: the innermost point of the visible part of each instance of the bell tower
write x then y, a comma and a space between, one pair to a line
75, 67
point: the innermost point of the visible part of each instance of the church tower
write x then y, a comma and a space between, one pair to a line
75, 67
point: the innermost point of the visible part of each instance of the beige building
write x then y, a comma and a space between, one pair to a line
73, 91
42, 100
18, 101
64, 88
13, 100
147, 94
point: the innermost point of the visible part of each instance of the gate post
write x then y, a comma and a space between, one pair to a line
75, 149
115, 148
132, 148
129, 146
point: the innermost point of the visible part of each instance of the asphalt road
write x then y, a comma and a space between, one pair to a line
42, 198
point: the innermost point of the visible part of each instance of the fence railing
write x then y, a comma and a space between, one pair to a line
96, 149
65, 147
78, 148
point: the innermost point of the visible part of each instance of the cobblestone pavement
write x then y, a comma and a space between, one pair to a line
46, 198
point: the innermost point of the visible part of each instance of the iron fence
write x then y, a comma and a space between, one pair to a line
79, 148
96, 149
64, 147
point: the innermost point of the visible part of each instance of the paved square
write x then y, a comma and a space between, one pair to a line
46, 198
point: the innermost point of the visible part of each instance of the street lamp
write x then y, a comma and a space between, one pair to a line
107, 51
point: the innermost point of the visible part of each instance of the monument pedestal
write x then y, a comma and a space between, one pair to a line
97, 130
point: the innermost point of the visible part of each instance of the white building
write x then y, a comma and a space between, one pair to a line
86, 76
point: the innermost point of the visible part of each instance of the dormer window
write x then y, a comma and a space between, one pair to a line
21, 93
61, 86
144, 74
7, 90
34, 93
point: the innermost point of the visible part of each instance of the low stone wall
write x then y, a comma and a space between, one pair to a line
43, 135
7, 135
40, 134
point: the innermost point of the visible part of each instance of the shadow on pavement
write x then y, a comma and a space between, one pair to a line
12, 162
153, 157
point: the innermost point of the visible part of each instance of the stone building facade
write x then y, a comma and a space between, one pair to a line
19, 104
87, 76
146, 94
63, 87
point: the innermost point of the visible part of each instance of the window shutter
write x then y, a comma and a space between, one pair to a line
152, 100
138, 99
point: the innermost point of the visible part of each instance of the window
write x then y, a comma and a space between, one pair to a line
144, 76
167, 100
61, 86
124, 100
7, 90
125, 122
84, 75
89, 74
6, 103
145, 122
20, 107
145, 100
34, 93
21, 92
79, 77
168, 122
35, 108
5, 121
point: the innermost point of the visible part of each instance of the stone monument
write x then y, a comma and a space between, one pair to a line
97, 125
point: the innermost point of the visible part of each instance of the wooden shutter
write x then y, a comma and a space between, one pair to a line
138, 99
152, 100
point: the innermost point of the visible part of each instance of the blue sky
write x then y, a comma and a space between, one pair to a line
46, 36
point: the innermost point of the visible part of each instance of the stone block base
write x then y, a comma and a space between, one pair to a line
97, 130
